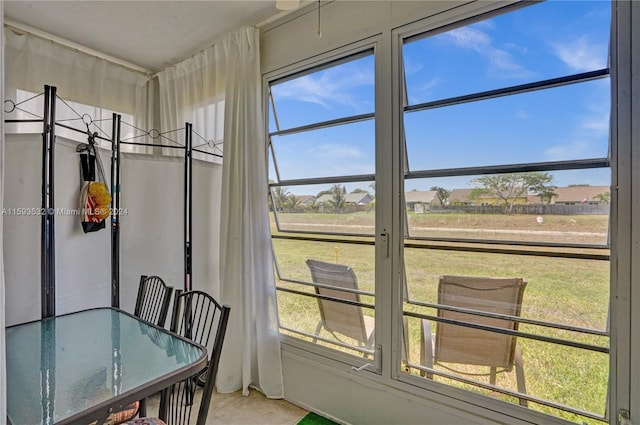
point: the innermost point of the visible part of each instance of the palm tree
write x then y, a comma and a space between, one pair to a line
338, 193
292, 202
280, 195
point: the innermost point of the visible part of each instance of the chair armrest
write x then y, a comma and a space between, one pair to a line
426, 344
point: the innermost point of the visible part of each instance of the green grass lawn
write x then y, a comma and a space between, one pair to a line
560, 290
589, 229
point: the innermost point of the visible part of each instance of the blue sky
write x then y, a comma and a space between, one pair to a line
547, 40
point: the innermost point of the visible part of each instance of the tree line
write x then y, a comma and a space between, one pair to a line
508, 188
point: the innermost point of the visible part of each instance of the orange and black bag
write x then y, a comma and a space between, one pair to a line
95, 200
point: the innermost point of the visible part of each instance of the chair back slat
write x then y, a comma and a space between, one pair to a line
154, 297
465, 345
338, 317
199, 317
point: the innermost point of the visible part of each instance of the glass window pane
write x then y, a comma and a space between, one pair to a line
542, 41
347, 328
339, 91
560, 207
325, 208
569, 122
343, 150
510, 271
557, 292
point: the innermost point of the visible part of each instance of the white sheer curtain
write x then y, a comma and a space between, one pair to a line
219, 91
3, 364
193, 91
253, 351
31, 62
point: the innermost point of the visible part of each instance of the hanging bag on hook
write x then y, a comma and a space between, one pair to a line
95, 200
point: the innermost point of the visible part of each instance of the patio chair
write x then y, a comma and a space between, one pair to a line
455, 344
199, 317
335, 317
152, 303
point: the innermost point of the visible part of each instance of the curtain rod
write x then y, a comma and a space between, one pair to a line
19, 26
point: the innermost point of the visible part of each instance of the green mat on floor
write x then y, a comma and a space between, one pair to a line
313, 419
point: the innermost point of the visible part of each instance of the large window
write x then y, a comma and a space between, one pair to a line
490, 146
322, 169
507, 190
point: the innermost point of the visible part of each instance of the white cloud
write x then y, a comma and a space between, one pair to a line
501, 61
423, 92
571, 150
330, 86
469, 38
428, 85
599, 125
411, 67
581, 55
517, 48
337, 151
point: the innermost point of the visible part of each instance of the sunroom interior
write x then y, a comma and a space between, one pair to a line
420, 212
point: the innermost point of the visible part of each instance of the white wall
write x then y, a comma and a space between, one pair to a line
152, 229
295, 38
3, 362
82, 260
335, 391
22, 182
207, 189
151, 232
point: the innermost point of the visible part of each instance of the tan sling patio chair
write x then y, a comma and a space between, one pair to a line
454, 344
340, 318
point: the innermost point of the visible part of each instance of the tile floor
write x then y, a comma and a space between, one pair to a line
235, 409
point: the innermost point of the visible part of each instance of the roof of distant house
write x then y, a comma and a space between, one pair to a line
324, 198
358, 198
426, 196
579, 193
303, 199
460, 195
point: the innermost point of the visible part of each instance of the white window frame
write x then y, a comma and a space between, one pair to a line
371, 43
398, 37
625, 345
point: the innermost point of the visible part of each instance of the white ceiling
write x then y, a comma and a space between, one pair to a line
151, 34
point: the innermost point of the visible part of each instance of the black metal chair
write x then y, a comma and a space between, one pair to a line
199, 317
152, 305
154, 298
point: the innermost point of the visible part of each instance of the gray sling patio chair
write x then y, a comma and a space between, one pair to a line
340, 318
461, 345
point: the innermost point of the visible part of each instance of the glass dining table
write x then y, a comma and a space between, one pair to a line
79, 367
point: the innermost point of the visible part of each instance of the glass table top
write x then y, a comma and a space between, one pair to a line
62, 366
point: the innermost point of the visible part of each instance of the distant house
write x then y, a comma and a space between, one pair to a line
358, 198
492, 198
327, 197
461, 197
356, 201
306, 200
574, 195
421, 200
